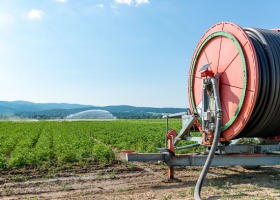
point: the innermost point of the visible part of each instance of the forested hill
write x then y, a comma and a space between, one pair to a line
24, 109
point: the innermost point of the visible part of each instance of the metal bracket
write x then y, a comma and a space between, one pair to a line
188, 122
247, 149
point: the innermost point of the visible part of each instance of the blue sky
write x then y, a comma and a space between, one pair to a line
111, 52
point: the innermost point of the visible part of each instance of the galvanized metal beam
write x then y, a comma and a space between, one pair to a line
175, 115
226, 160
199, 160
140, 157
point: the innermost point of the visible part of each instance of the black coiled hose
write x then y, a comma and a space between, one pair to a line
265, 118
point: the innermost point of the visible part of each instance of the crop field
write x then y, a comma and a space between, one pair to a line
83, 160
52, 143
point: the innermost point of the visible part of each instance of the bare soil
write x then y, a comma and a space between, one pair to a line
125, 181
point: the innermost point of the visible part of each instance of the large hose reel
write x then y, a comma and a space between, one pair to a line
246, 61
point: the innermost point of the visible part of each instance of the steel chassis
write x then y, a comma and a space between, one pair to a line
232, 154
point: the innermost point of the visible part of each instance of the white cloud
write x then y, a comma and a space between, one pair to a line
100, 5
35, 14
113, 7
140, 2
62, 1
134, 2
127, 2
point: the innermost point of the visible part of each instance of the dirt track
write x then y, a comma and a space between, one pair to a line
143, 181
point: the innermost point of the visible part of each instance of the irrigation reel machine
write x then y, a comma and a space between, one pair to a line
234, 93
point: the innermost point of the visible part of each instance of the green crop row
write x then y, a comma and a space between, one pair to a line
37, 144
54, 143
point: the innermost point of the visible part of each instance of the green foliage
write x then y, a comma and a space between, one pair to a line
43, 144
18, 178
3, 163
113, 174
60, 143
103, 153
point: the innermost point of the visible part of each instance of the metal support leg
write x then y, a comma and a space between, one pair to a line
170, 136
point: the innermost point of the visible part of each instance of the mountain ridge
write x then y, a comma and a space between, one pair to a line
27, 109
